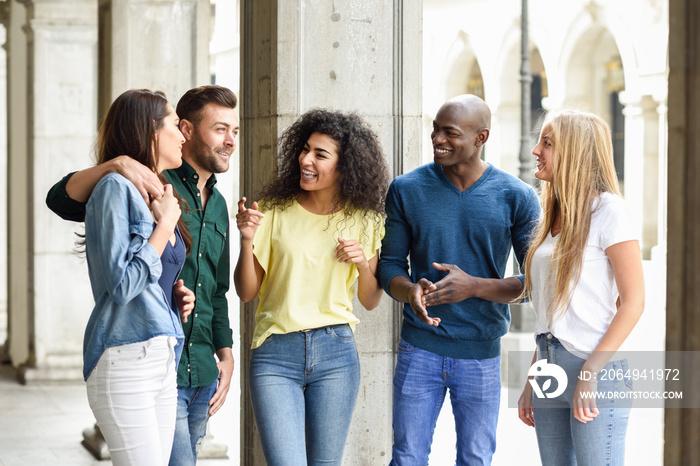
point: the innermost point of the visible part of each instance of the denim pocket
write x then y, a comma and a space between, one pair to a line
626, 374
268, 339
342, 333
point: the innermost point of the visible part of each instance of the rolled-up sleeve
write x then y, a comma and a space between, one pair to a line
62, 204
117, 241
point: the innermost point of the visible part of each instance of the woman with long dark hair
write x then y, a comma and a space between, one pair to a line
318, 230
134, 253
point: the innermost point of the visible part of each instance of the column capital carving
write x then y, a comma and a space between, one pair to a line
630, 99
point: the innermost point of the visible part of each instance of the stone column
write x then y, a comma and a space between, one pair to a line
17, 346
52, 56
659, 251
682, 426
153, 44
4, 20
361, 56
633, 185
644, 131
652, 136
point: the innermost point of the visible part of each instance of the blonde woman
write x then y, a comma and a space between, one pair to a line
583, 272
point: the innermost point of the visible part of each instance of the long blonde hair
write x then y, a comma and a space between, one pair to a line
583, 168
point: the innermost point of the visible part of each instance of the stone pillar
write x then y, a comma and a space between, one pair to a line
659, 251
361, 56
633, 185
682, 426
652, 135
153, 44
644, 131
4, 20
52, 56
18, 333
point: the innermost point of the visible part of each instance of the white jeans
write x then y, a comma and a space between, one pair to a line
133, 395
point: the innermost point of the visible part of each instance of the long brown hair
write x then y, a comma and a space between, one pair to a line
129, 128
583, 169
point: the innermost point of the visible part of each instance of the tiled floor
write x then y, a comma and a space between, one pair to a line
43, 424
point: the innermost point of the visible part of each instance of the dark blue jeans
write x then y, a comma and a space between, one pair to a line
303, 386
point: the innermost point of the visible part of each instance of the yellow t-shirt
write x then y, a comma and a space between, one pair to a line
304, 286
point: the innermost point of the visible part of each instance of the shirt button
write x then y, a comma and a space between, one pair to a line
195, 315
197, 194
188, 369
200, 254
203, 225
184, 179
199, 285
196, 176
190, 344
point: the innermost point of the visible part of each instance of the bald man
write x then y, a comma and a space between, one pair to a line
456, 219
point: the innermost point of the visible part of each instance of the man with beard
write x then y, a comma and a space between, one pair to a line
209, 124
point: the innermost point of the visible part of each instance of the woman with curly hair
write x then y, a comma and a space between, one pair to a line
318, 230
583, 272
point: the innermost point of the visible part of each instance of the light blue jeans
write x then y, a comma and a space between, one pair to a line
303, 386
562, 439
191, 423
421, 381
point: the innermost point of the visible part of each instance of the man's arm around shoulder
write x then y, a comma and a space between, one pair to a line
67, 198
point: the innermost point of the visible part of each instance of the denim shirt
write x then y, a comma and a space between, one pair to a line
130, 305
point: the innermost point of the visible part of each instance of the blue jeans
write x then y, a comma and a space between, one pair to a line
421, 381
191, 423
303, 386
562, 439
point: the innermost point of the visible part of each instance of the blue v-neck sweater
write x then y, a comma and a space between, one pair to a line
430, 220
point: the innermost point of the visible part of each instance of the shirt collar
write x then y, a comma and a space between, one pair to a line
186, 173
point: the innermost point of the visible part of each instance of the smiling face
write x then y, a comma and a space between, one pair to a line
544, 151
455, 136
212, 141
169, 142
318, 161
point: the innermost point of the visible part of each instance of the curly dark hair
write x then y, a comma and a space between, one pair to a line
363, 173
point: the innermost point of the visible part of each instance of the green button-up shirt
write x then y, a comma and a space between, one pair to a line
206, 271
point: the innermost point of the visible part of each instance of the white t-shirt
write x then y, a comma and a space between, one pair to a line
593, 303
